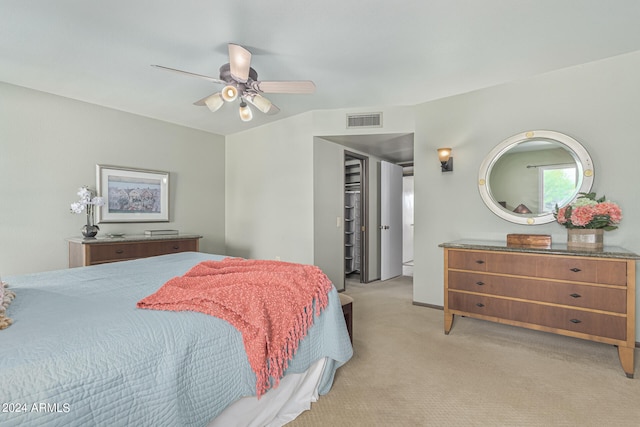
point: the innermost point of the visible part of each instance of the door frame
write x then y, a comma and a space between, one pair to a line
364, 211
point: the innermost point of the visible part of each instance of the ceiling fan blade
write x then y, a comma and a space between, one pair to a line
273, 110
213, 102
298, 86
211, 79
200, 102
240, 61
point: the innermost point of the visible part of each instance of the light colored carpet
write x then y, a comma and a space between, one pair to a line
406, 372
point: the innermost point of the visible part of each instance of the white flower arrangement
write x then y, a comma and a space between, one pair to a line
87, 201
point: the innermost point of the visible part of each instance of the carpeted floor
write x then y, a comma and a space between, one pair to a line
406, 372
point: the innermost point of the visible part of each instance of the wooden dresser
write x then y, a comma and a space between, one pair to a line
589, 295
101, 250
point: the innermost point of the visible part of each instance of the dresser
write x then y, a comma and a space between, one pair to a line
101, 250
589, 295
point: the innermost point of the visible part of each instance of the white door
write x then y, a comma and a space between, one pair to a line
390, 220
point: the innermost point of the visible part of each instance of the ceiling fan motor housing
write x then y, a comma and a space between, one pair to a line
248, 86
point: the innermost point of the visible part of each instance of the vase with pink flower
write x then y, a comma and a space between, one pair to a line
586, 220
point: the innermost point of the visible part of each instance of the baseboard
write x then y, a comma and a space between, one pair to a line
439, 307
422, 304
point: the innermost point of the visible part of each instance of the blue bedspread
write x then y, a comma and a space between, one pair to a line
81, 354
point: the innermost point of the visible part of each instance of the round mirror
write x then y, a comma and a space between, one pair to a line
525, 176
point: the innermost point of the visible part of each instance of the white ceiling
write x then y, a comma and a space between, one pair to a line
360, 54
392, 147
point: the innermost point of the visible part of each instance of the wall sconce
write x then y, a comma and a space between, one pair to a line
446, 161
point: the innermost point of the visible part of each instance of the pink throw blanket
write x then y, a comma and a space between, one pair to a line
269, 302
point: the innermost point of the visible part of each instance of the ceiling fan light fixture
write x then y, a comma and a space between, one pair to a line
245, 112
214, 102
260, 102
240, 80
230, 93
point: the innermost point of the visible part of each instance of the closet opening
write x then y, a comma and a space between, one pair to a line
356, 196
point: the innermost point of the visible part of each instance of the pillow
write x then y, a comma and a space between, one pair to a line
6, 296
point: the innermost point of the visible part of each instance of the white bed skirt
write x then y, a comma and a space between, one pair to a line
278, 406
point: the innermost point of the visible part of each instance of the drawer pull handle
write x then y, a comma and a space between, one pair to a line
575, 270
479, 304
575, 295
480, 283
176, 247
479, 261
120, 251
576, 321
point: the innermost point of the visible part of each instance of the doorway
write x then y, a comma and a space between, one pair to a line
356, 199
407, 221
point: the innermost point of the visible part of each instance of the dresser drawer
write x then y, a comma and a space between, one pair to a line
505, 263
109, 252
582, 270
585, 322
572, 294
171, 246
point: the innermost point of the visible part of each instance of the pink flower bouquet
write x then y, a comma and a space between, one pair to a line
588, 212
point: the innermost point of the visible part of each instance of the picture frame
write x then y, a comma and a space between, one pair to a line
132, 195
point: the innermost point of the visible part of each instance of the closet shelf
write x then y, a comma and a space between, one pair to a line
352, 218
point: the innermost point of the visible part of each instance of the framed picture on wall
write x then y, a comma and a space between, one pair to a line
132, 195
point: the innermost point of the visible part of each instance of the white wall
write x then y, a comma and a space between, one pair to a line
49, 147
269, 191
595, 103
328, 203
334, 122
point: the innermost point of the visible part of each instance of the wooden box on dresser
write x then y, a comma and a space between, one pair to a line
101, 250
583, 294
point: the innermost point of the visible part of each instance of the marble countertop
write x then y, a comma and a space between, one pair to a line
106, 238
556, 248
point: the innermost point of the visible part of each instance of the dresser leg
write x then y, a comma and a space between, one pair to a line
448, 322
626, 359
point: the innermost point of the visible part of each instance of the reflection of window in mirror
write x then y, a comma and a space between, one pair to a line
515, 178
557, 185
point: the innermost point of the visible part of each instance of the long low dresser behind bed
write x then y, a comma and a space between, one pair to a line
101, 250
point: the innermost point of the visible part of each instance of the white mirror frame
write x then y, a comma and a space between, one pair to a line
583, 161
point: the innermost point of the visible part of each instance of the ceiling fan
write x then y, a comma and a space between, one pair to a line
241, 81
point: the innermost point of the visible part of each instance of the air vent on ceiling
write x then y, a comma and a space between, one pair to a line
367, 120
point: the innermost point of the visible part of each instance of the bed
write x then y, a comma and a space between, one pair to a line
79, 352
